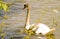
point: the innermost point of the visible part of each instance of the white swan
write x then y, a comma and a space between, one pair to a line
38, 28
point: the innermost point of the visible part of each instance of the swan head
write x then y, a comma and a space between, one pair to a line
25, 6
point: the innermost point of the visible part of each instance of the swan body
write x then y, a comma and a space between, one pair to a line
42, 28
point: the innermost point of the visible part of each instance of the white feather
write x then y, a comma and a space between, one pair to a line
42, 28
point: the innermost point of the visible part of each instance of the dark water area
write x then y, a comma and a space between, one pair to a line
43, 11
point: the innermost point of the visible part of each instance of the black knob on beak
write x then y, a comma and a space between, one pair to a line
25, 6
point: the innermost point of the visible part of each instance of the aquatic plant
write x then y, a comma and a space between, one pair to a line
50, 35
4, 7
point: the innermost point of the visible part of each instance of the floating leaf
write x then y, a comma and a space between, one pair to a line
4, 6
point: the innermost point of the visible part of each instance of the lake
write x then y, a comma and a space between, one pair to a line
44, 11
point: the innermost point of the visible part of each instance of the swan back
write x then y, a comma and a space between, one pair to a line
39, 28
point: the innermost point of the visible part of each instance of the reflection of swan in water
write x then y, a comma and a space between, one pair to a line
38, 28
